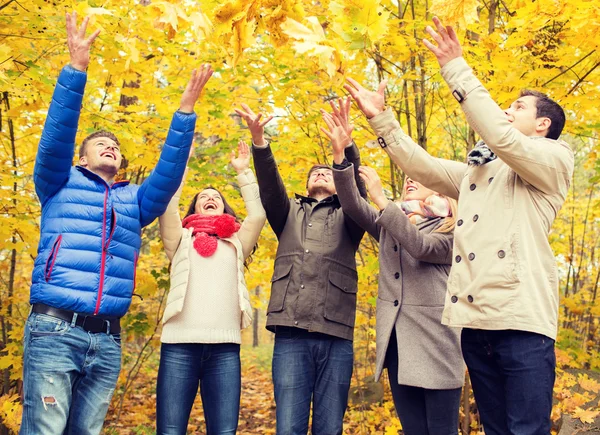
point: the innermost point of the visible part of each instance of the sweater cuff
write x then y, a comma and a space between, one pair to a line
261, 147
345, 164
245, 178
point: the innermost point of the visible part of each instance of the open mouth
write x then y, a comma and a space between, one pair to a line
210, 206
109, 154
411, 189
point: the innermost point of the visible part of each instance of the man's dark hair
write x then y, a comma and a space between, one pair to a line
547, 108
101, 133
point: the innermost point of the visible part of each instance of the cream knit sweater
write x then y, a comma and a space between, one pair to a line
208, 301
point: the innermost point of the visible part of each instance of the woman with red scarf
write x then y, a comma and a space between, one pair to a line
208, 304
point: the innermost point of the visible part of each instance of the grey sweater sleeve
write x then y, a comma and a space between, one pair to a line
432, 248
353, 204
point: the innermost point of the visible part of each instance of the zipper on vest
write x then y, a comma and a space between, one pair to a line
103, 260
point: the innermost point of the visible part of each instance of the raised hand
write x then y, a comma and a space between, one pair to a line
256, 127
373, 183
194, 88
79, 45
342, 114
370, 103
337, 134
448, 47
242, 161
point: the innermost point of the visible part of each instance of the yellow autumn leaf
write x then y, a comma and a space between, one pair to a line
129, 46
451, 12
201, 24
360, 22
242, 38
84, 9
585, 415
588, 384
313, 42
168, 16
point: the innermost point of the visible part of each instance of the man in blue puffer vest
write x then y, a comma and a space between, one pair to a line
84, 273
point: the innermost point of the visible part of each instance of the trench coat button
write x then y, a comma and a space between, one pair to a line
471, 256
395, 248
490, 180
307, 251
501, 253
458, 258
296, 322
301, 285
475, 218
473, 186
310, 225
470, 298
396, 303
397, 275
454, 299
460, 222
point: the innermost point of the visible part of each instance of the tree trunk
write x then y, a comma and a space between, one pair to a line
6, 326
255, 342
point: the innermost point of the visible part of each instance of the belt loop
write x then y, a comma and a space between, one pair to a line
107, 327
74, 320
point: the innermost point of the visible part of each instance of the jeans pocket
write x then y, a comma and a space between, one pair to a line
116, 339
43, 325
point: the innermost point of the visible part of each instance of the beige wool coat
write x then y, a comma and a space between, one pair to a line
504, 274
177, 241
414, 262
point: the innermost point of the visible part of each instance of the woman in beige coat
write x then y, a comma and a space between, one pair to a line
208, 304
423, 357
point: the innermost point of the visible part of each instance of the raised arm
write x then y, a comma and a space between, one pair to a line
432, 248
157, 190
273, 194
57, 144
544, 163
441, 175
255, 219
170, 223
353, 204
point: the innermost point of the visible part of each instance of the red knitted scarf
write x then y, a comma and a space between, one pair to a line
207, 229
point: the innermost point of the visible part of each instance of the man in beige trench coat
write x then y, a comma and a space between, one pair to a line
503, 286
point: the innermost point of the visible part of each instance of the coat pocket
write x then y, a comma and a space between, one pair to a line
279, 285
340, 301
52, 258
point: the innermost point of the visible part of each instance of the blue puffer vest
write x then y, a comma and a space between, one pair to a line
90, 231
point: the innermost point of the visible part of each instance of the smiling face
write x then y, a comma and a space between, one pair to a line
416, 191
209, 202
320, 182
101, 154
523, 116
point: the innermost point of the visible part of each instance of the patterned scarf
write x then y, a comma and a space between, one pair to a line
480, 154
433, 207
206, 230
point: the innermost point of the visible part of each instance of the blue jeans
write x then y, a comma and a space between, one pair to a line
216, 368
422, 411
310, 367
512, 373
69, 376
